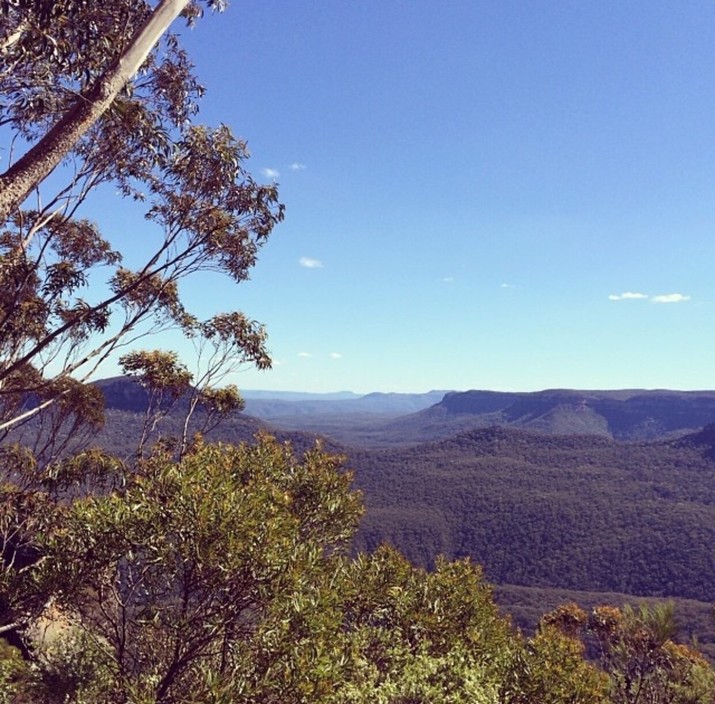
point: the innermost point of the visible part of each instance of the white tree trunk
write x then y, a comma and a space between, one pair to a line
18, 182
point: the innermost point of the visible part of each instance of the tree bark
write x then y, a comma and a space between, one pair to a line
34, 166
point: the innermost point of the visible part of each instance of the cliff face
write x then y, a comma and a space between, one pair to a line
123, 394
624, 415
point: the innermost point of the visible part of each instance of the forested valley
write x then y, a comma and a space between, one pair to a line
591, 543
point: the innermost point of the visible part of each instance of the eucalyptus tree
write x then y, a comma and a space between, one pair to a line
96, 94
98, 48
102, 95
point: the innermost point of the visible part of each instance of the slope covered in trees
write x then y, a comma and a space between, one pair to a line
225, 578
577, 512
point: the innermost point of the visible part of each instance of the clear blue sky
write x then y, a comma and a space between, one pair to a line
491, 194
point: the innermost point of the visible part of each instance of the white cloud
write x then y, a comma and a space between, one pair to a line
506, 286
295, 166
304, 354
670, 298
662, 298
271, 173
335, 355
627, 296
448, 279
310, 263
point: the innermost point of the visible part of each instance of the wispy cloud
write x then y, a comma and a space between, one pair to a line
310, 263
448, 279
296, 166
627, 296
660, 298
271, 173
335, 355
304, 354
670, 298
505, 285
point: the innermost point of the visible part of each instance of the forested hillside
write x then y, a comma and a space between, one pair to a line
578, 512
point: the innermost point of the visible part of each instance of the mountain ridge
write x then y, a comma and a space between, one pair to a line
382, 419
621, 414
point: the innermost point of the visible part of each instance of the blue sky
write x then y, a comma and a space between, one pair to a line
480, 194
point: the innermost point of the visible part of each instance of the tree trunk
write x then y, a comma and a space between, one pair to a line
33, 167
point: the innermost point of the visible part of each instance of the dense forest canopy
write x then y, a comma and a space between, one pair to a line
577, 512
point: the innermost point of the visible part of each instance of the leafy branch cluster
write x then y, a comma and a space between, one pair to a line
68, 302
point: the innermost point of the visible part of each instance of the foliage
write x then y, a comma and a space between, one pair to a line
68, 301
179, 570
225, 577
413, 636
14, 673
639, 655
453, 678
551, 668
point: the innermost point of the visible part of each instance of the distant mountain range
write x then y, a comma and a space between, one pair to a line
394, 419
126, 394
621, 415
287, 406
